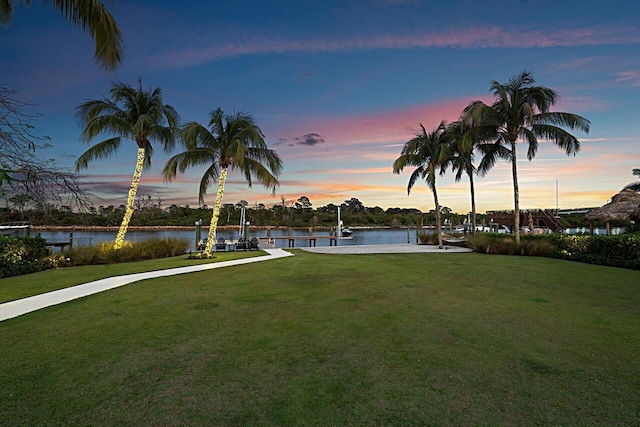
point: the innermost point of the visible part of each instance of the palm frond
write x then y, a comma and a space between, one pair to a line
101, 150
6, 11
532, 142
558, 136
418, 173
491, 153
92, 15
209, 177
635, 186
572, 121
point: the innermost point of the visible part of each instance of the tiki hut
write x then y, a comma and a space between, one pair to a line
623, 207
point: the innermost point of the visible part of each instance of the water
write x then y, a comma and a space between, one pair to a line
360, 236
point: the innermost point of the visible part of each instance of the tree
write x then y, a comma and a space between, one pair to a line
303, 203
232, 141
429, 153
134, 113
521, 112
463, 144
353, 205
21, 170
21, 201
635, 186
90, 15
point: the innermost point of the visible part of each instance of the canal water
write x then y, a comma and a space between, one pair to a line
359, 237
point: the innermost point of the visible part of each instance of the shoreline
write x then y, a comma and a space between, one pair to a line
115, 228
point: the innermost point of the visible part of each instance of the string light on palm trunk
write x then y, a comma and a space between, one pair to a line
132, 195
216, 215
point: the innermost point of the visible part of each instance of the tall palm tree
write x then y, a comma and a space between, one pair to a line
429, 153
463, 143
521, 112
232, 141
133, 113
91, 15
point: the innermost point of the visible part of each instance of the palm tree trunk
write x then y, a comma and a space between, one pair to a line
132, 195
473, 203
216, 214
438, 222
516, 193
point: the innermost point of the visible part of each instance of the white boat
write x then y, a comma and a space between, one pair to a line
494, 228
15, 229
346, 232
343, 232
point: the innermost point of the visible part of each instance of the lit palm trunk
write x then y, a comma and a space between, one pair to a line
216, 214
132, 195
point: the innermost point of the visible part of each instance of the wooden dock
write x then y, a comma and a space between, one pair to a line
291, 240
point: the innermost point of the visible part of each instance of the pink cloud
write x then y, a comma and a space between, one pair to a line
632, 77
380, 128
478, 37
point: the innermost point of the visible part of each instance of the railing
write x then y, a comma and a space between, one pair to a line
551, 221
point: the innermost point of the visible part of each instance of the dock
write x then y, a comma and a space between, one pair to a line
291, 240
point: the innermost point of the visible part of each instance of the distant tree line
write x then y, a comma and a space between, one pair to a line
149, 211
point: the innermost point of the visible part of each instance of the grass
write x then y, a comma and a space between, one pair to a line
17, 287
418, 339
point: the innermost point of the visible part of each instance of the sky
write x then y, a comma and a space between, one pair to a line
338, 87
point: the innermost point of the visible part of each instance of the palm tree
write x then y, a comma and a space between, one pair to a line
635, 186
463, 143
89, 15
133, 113
427, 152
521, 111
232, 141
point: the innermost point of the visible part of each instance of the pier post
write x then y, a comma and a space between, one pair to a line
198, 233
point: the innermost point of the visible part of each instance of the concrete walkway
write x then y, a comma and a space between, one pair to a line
22, 306
404, 248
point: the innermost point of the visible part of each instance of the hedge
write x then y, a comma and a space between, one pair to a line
22, 255
615, 251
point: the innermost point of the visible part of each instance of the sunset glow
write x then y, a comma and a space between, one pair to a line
339, 87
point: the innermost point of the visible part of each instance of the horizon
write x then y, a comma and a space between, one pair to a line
338, 87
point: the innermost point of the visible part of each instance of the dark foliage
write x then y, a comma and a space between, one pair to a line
22, 255
615, 251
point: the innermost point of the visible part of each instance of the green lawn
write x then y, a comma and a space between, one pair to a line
13, 288
419, 339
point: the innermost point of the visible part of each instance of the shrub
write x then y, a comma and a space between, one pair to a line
505, 244
615, 251
22, 255
131, 251
425, 238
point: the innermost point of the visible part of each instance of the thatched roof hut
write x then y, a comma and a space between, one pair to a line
623, 207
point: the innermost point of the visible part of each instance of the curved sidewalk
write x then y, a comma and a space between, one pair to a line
16, 308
